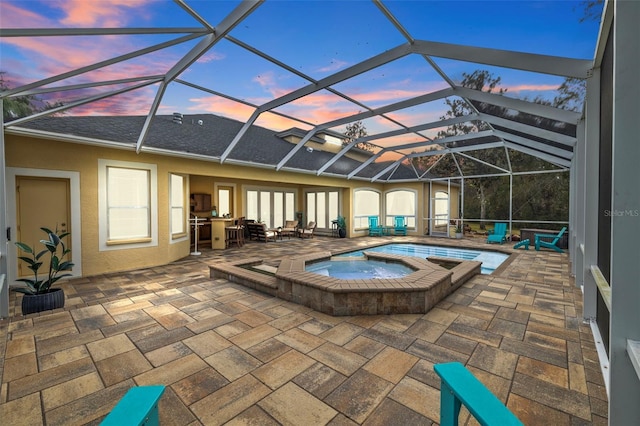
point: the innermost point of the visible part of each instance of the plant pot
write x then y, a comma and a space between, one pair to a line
32, 303
342, 233
459, 235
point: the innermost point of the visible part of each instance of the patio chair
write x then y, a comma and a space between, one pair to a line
499, 233
399, 227
375, 230
290, 227
307, 232
553, 245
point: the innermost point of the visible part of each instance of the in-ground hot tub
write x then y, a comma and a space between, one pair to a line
414, 293
347, 268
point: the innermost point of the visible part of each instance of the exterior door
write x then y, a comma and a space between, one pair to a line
440, 213
41, 203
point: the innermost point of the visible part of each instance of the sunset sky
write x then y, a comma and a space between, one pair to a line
316, 38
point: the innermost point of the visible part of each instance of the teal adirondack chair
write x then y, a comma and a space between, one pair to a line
553, 245
499, 234
399, 227
374, 227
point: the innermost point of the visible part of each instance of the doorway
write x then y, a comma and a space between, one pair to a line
41, 203
20, 183
440, 216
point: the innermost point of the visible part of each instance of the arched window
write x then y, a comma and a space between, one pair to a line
366, 202
401, 202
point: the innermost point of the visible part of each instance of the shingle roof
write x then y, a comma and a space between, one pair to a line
209, 135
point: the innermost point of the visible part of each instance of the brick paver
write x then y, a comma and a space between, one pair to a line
231, 354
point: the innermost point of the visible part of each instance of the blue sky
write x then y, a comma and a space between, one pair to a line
317, 38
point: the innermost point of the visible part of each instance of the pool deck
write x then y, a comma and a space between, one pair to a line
231, 354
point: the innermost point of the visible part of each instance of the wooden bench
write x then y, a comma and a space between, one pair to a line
139, 406
460, 387
259, 232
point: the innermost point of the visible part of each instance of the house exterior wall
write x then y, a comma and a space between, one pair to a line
36, 153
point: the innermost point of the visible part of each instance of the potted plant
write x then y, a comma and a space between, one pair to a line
459, 232
342, 226
38, 294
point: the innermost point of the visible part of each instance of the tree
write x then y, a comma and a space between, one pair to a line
591, 10
22, 106
355, 131
17, 107
485, 81
571, 94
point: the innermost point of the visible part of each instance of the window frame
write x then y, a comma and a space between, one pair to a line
361, 222
104, 244
271, 221
410, 220
325, 201
178, 236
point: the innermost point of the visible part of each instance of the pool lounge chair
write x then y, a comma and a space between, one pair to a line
290, 227
553, 245
307, 232
499, 234
399, 227
375, 230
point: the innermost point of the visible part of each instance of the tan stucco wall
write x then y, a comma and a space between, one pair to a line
25, 152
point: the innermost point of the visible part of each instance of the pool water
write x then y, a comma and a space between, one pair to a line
359, 269
490, 259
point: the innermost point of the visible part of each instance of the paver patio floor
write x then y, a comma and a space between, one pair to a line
231, 355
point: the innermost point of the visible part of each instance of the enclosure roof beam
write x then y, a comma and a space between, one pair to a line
554, 65
542, 155
60, 32
20, 89
364, 66
531, 130
532, 108
558, 152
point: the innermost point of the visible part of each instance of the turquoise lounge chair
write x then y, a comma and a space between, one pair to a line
553, 245
375, 230
399, 228
499, 234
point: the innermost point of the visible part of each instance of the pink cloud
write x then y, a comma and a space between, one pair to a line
111, 14
137, 102
210, 57
279, 123
13, 16
334, 66
42, 57
220, 106
268, 82
531, 88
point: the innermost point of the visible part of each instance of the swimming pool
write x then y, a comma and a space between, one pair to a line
348, 269
490, 259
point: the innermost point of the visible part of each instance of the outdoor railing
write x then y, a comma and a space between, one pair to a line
633, 346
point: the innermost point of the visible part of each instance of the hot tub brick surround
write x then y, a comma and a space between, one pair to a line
415, 293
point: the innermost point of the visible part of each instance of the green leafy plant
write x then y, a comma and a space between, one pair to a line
57, 251
341, 223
